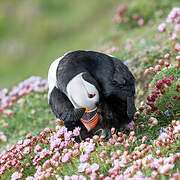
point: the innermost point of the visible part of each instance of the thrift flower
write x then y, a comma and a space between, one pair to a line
84, 158
162, 27
66, 158
82, 167
27, 150
177, 27
166, 169
16, 175
163, 136
94, 167
76, 131
90, 148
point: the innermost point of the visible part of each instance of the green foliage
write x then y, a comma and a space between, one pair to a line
167, 99
31, 115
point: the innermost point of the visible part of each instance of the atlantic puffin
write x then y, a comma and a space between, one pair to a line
91, 90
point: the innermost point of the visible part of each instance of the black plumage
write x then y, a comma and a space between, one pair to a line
114, 82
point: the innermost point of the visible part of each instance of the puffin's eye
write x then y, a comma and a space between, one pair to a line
91, 95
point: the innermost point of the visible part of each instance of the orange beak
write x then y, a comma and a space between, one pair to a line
90, 119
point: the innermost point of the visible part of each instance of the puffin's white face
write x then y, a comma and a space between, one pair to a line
81, 93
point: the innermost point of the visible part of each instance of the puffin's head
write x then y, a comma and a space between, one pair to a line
83, 93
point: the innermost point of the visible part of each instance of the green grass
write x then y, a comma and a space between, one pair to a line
24, 120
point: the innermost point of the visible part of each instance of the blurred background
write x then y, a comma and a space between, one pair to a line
34, 33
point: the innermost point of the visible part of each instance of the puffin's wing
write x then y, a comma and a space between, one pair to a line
63, 109
121, 73
124, 78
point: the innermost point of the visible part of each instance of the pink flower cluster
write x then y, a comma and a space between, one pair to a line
48, 145
32, 84
160, 89
46, 155
173, 18
162, 27
121, 18
163, 63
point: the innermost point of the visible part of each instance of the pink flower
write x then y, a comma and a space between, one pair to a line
8, 112
159, 85
157, 68
28, 164
159, 152
76, 152
74, 177
37, 148
176, 176
140, 22
174, 37
177, 27
66, 158
135, 16
147, 71
76, 131
5, 125
162, 27
130, 126
55, 143
32, 84
81, 177
82, 167
84, 158
30, 178
166, 169
117, 19
177, 129
26, 142
177, 46
61, 132
16, 175
27, 150
46, 164
68, 135
45, 152
173, 15
28, 136
153, 120
90, 148
94, 167
159, 112
121, 10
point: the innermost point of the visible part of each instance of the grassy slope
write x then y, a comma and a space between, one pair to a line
31, 115
140, 55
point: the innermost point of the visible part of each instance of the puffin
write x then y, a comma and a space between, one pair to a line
91, 90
